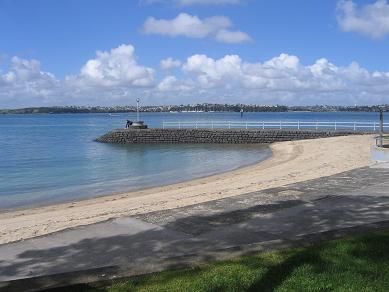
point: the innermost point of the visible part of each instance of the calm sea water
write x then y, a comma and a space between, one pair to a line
53, 158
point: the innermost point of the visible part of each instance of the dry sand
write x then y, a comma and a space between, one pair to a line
291, 162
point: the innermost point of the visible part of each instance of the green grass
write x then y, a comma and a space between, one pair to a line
359, 263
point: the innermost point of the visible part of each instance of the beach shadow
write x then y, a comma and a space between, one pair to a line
163, 247
363, 248
196, 225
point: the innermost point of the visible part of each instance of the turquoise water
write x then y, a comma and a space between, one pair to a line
52, 158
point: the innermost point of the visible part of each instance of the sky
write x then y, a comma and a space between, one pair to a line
96, 52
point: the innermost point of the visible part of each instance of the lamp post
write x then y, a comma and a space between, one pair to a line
138, 124
137, 109
381, 127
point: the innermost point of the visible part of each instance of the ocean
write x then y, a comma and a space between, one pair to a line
47, 159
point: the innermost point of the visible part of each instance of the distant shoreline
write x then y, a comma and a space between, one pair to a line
200, 108
167, 112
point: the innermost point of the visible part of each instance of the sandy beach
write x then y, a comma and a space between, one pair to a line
293, 161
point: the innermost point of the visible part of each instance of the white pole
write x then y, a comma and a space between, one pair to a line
137, 109
381, 127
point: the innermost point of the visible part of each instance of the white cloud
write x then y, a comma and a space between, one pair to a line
371, 20
232, 37
117, 67
115, 77
26, 80
186, 25
172, 84
212, 73
111, 75
193, 27
285, 79
170, 63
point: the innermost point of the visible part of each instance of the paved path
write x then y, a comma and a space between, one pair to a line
157, 240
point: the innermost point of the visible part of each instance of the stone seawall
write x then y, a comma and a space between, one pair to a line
214, 136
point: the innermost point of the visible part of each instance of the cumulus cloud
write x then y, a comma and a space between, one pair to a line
115, 77
193, 27
285, 79
170, 63
212, 73
371, 20
172, 84
26, 80
111, 75
118, 67
232, 37
186, 25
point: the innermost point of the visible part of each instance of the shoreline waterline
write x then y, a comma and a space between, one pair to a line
264, 153
112, 169
292, 161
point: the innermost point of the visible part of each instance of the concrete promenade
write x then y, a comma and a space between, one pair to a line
352, 201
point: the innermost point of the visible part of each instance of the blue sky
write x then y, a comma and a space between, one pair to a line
262, 52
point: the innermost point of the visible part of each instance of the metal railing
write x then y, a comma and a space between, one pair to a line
317, 125
382, 141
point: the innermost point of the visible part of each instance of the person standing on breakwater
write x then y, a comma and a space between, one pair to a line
128, 124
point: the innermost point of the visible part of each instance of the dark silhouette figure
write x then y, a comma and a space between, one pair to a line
128, 124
